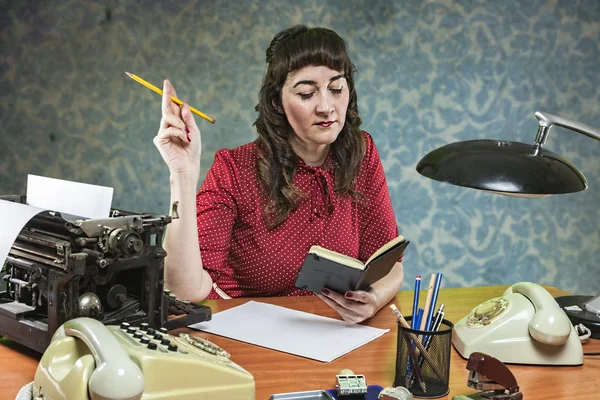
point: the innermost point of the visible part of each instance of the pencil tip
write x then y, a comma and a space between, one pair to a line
128, 74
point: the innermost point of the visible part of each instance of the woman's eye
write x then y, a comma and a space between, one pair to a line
336, 91
305, 96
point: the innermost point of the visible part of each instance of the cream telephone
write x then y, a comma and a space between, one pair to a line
524, 326
87, 360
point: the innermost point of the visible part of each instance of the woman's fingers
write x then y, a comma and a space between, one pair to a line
166, 98
188, 118
168, 106
354, 306
347, 315
350, 299
174, 116
361, 296
172, 120
170, 134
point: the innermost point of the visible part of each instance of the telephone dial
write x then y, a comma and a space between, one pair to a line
524, 326
88, 360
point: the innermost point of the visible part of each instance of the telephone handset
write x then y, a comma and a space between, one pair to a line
524, 326
111, 375
88, 360
549, 324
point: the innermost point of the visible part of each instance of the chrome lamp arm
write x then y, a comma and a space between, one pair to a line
545, 122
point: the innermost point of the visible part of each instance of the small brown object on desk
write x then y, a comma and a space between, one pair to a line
492, 376
276, 372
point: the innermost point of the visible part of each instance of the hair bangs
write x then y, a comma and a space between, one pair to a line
316, 47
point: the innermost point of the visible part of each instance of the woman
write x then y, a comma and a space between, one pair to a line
311, 178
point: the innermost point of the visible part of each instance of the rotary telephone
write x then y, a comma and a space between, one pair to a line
88, 360
524, 326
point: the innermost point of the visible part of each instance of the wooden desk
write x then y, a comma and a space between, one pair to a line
276, 372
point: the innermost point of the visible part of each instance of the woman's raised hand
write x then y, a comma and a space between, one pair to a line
178, 139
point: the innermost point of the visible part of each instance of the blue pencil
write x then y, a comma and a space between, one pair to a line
418, 318
415, 302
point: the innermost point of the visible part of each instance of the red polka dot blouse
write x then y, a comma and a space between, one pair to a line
245, 258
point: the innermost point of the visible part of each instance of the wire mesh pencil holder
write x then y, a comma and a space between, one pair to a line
425, 373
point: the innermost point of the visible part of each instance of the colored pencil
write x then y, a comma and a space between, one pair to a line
415, 302
175, 99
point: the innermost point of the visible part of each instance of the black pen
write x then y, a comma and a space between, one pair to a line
437, 322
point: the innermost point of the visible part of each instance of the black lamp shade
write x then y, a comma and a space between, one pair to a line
502, 166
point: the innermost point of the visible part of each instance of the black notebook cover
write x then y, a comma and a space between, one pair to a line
319, 272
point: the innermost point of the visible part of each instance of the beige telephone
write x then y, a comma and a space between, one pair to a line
524, 326
87, 360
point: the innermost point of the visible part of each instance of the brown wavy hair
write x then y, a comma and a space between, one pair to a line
291, 50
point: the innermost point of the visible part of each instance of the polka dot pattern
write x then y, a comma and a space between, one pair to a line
246, 259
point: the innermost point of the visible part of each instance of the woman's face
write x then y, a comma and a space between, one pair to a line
315, 100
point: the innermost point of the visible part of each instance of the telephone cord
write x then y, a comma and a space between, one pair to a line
26, 392
583, 332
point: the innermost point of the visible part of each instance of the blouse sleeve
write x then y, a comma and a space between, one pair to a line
216, 212
377, 219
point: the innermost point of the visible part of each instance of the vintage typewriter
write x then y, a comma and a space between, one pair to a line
61, 267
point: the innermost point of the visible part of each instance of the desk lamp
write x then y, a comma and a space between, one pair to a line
509, 168
521, 170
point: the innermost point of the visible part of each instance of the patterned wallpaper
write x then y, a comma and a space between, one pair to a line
430, 73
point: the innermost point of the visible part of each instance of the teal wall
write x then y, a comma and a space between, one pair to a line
430, 73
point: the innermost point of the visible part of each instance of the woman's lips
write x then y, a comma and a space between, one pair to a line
326, 124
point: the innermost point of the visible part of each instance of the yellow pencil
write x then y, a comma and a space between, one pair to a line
175, 99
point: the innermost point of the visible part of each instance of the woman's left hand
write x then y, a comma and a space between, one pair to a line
354, 306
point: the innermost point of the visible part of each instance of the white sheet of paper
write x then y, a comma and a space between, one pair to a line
81, 199
290, 331
14, 217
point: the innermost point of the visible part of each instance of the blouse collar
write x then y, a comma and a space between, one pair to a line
322, 196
